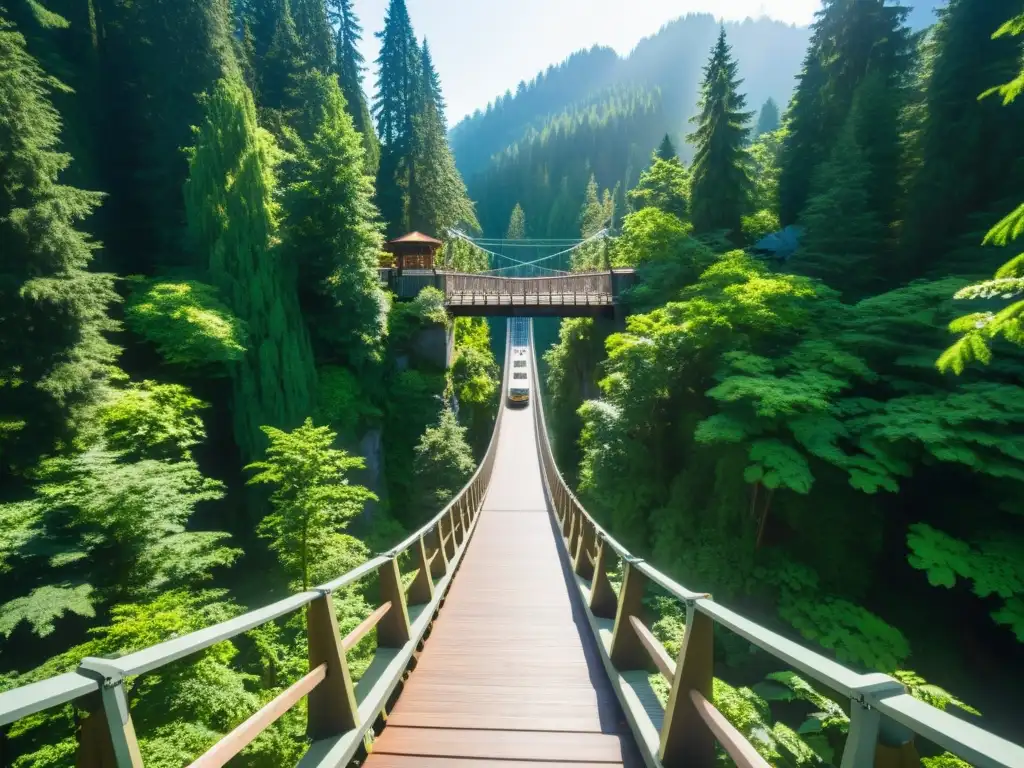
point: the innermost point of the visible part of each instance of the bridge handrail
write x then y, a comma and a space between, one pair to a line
879, 704
337, 720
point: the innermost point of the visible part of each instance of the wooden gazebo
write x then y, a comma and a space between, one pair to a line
414, 251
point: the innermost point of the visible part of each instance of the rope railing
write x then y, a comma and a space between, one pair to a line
884, 717
339, 714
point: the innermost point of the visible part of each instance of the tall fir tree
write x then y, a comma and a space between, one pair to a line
850, 39
53, 311
331, 232
720, 179
516, 224
842, 234
232, 220
437, 199
282, 64
666, 150
395, 106
314, 33
350, 65
432, 83
969, 157
593, 214
155, 60
768, 120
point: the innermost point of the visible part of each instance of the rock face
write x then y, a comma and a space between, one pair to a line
435, 346
371, 447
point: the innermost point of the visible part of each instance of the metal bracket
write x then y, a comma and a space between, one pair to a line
104, 671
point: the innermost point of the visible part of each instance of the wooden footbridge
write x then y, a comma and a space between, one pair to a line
510, 646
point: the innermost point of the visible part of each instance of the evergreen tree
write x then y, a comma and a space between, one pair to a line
516, 224
443, 464
398, 79
665, 186
282, 64
970, 159
594, 215
229, 198
349, 63
768, 120
666, 151
850, 39
395, 106
842, 233
720, 181
431, 88
314, 33
53, 356
331, 232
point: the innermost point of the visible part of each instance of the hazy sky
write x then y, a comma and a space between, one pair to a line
482, 47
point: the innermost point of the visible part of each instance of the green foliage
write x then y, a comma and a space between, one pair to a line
765, 157
720, 178
443, 464
994, 568
476, 380
52, 308
153, 421
516, 224
665, 186
232, 222
312, 496
931, 694
187, 322
331, 233
44, 606
344, 405
350, 66
767, 120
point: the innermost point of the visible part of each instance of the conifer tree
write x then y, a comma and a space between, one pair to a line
432, 83
229, 199
395, 107
282, 64
53, 356
314, 33
768, 120
850, 39
516, 224
720, 181
665, 186
970, 154
666, 151
349, 63
842, 234
331, 232
593, 215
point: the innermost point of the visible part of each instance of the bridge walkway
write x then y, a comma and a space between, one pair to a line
510, 671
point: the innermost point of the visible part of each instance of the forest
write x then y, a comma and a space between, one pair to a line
201, 378
813, 408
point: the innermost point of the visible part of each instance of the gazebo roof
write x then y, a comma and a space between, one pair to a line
416, 237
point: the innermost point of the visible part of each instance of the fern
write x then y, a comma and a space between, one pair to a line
44, 606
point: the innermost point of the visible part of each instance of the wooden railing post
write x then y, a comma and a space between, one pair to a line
106, 738
393, 631
602, 597
627, 652
439, 565
332, 706
582, 565
685, 739
421, 590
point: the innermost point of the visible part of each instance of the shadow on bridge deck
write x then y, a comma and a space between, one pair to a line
510, 670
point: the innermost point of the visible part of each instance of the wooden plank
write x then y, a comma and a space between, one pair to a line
501, 745
357, 634
739, 749
655, 649
219, 754
406, 761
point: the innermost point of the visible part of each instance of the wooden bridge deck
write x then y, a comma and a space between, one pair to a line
509, 671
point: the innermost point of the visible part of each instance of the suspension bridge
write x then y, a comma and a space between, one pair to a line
511, 644
512, 287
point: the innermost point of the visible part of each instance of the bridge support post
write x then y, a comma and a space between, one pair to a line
456, 527
685, 739
627, 652
439, 565
602, 596
107, 736
332, 704
393, 629
582, 565
422, 588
